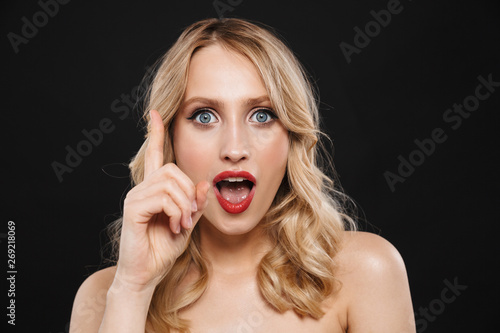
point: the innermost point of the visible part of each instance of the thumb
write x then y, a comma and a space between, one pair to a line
202, 189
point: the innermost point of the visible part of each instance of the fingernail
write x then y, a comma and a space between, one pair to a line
178, 230
190, 222
194, 206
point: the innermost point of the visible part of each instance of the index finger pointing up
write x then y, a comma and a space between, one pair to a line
154, 151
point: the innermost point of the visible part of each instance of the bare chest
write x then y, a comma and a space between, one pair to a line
242, 309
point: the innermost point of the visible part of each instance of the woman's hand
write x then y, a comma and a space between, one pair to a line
159, 216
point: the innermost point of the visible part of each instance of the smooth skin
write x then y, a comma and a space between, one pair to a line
160, 212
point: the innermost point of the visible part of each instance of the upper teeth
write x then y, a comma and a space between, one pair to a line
234, 179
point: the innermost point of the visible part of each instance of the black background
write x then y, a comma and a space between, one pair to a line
396, 90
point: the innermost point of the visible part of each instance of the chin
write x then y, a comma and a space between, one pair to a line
230, 224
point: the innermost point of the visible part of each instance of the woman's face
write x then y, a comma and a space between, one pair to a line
227, 133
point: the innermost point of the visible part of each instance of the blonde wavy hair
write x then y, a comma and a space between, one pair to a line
306, 219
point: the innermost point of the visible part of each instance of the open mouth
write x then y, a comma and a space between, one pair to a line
234, 190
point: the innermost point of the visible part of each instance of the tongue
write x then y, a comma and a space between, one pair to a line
234, 192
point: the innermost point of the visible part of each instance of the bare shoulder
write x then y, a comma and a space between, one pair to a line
90, 301
370, 260
370, 251
375, 289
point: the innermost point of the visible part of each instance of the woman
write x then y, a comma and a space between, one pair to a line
232, 226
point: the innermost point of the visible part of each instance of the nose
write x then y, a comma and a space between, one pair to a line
235, 143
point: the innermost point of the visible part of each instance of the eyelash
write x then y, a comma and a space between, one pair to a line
261, 109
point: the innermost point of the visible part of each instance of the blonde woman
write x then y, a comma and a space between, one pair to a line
232, 226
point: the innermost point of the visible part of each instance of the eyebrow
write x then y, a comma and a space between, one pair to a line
218, 103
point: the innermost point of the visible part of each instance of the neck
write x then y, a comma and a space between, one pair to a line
233, 254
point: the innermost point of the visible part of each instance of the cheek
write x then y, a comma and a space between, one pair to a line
272, 150
276, 156
272, 146
192, 155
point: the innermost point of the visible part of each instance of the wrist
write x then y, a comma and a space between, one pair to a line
121, 286
126, 308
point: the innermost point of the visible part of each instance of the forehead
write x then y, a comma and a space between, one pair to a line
219, 73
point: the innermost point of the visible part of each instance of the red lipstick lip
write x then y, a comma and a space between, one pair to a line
227, 174
226, 205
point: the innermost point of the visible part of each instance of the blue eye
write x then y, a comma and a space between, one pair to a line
204, 117
262, 116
